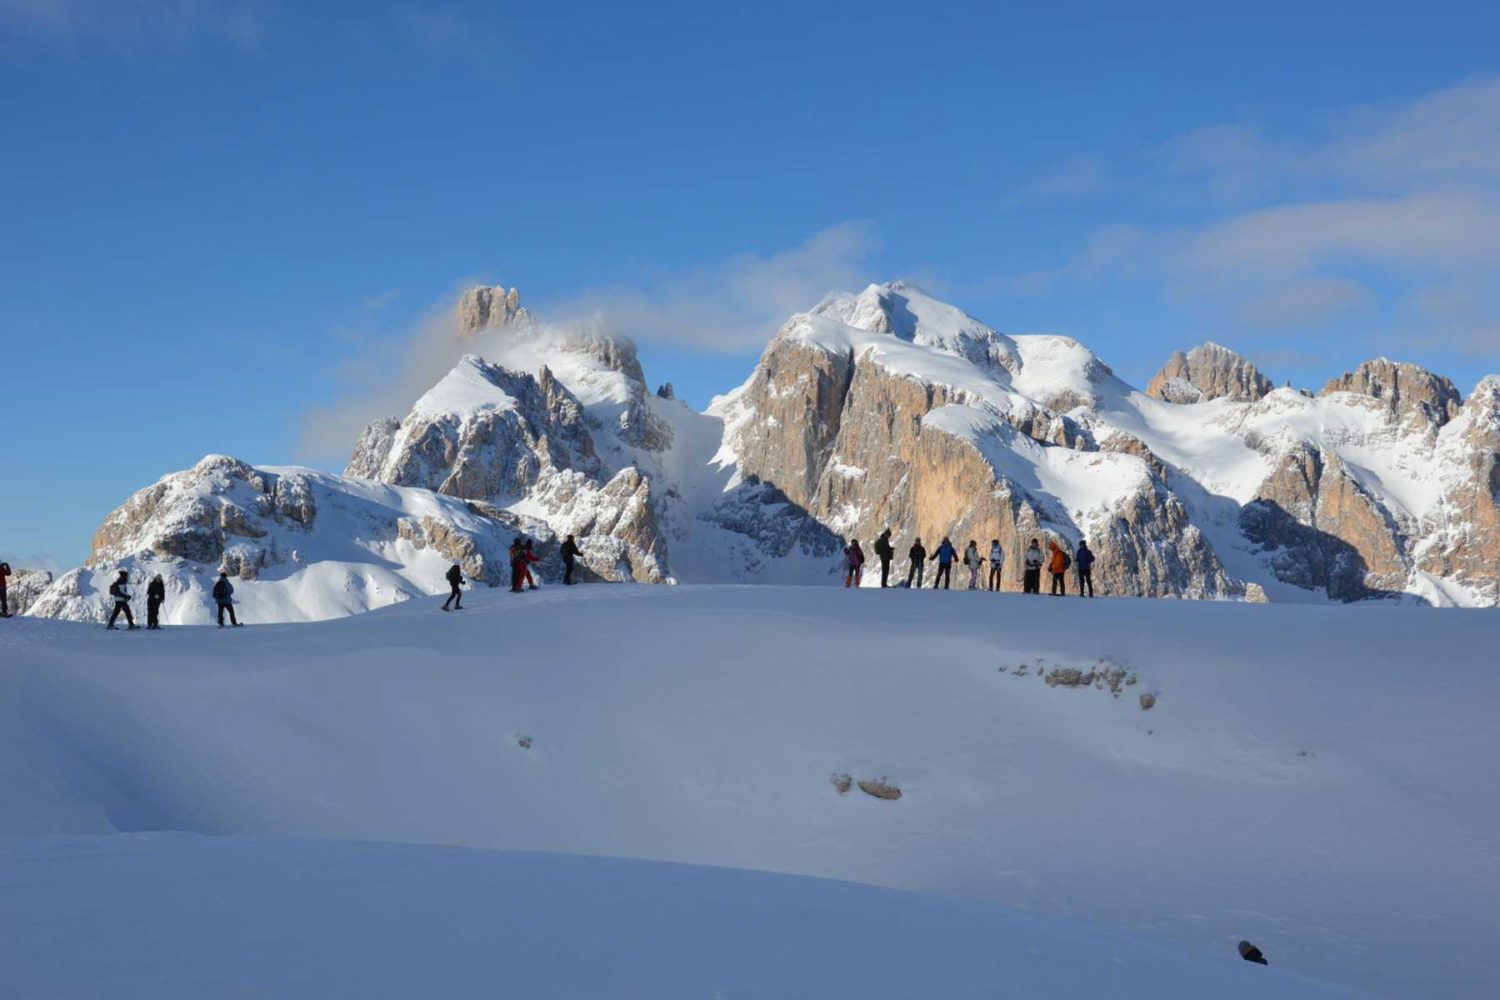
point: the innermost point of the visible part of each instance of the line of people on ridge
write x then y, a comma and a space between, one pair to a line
521, 579
156, 596
1056, 560
522, 556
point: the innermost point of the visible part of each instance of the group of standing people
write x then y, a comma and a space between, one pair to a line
522, 556
1057, 561
156, 596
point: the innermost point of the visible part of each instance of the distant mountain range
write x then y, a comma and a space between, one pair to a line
886, 408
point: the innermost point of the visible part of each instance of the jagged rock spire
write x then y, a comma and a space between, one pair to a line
1208, 372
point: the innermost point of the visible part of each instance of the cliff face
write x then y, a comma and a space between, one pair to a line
1412, 394
1208, 372
837, 416
1462, 532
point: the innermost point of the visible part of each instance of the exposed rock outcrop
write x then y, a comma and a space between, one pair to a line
485, 307
1208, 372
1414, 395
1463, 530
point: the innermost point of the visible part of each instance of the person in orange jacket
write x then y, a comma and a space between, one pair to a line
1057, 565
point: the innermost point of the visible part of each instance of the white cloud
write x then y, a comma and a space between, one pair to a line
1404, 200
732, 306
134, 24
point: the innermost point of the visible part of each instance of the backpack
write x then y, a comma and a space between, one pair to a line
1067, 561
220, 590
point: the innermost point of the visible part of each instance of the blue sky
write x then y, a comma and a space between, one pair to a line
223, 222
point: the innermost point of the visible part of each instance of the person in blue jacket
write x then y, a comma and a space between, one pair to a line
945, 555
1084, 562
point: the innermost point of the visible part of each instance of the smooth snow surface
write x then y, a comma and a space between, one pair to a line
234, 917
1321, 781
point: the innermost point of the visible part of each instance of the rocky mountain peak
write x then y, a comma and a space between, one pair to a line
1409, 391
1208, 371
486, 307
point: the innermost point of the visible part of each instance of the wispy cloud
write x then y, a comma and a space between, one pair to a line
133, 25
1404, 200
733, 306
1080, 175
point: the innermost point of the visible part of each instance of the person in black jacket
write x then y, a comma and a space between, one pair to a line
569, 553
455, 580
918, 556
1250, 953
4, 578
885, 554
224, 598
156, 593
1083, 561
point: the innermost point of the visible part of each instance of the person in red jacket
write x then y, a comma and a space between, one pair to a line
527, 558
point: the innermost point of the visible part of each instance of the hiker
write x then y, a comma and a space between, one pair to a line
918, 556
569, 553
997, 560
1057, 565
455, 580
885, 554
4, 579
1031, 583
972, 562
854, 564
1250, 953
527, 558
945, 554
224, 598
1084, 560
516, 566
120, 591
156, 593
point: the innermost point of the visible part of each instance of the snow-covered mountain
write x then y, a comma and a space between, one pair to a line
885, 408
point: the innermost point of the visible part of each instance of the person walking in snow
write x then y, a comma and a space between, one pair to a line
569, 554
527, 558
1084, 560
997, 560
455, 580
120, 591
224, 598
945, 555
1031, 583
972, 562
918, 557
885, 553
156, 593
1057, 565
854, 564
516, 566
4, 579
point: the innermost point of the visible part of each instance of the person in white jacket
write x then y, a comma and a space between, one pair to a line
972, 562
997, 560
1033, 580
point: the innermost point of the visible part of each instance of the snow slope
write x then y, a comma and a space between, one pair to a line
1321, 781
319, 919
